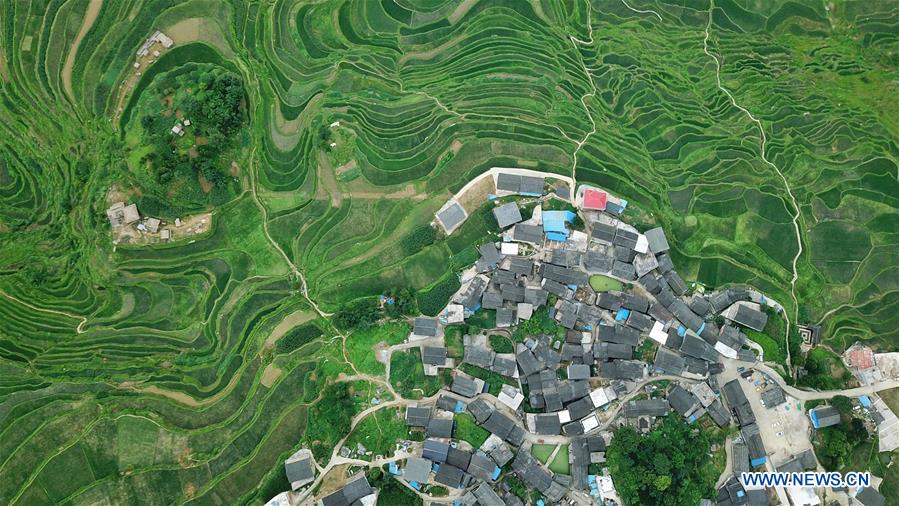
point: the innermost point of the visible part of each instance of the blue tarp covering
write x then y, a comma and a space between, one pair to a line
623, 203
393, 469
557, 236
491, 196
701, 328
622, 315
759, 461
415, 485
540, 502
588, 327
496, 473
682, 331
814, 417
865, 401
554, 224
460, 407
530, 194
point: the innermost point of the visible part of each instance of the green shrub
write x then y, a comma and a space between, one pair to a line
417, 240
298, 337
433, 300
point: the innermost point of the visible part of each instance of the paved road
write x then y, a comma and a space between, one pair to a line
808, 395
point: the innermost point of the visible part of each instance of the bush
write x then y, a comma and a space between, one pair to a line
433, 300
298, 337
357, 314
417, 240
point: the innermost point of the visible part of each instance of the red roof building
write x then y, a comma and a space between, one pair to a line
595, 199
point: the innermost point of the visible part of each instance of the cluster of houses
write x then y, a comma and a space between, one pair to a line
569, 388
121, 215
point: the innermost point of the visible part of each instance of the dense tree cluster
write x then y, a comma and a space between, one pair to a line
418, 239
668, 467
834, 444
212, 99
366, 312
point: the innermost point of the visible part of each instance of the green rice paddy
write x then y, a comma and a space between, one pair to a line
141, 372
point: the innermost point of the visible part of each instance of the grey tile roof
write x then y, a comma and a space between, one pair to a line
435, 450
659, 312
531, 184
669, 362
464, 386
490, 254
418, 416
448, 475
665, 263
580, 408
635, 303
700, 306
603, 232
512, 293
623, 270
621, 369
535, 296
564, 257
527, 233
650, 282
557, 289
299, 469
481, 467
425, 326
492, 300
440, 428
624, 254
505, 317
740, 458
773, 396
433, 355
458, 458
626, 238
480, 409
675, 282
751, 318
446, 403
597, 262
417, 469
681, 400
578, 372
504, 365
507, 214
471, 296
528, 363
356, 488
826, 415
619, 334
639, 321
508, 182
645, 263
499, 424
683, 313
486, 496
739, 404
658, 243
563, 275
867, 496
521, 266
646, 407
479, 356
547, 424
694, 346
451, 216
718, 413
606, 351
610, 301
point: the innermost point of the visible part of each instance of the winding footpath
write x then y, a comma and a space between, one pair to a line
762, 145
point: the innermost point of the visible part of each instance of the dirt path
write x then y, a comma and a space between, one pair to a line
79, 329
93, 9
289, 322
327, 184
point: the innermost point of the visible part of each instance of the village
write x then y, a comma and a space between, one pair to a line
575, 389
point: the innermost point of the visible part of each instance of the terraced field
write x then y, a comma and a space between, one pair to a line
146, 373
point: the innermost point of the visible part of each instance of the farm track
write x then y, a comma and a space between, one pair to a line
90, 16
762, 151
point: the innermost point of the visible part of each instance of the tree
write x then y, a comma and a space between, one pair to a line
669, 466
842, 403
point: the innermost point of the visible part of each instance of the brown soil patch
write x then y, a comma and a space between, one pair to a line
205, 185
179, 114
167, 100
193, 153
350, 165
456, 146
334, 480
460, 11
270, 375
201, 141
477, 195
327, 184
93, 8
289, 322
167, 113
234, 169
